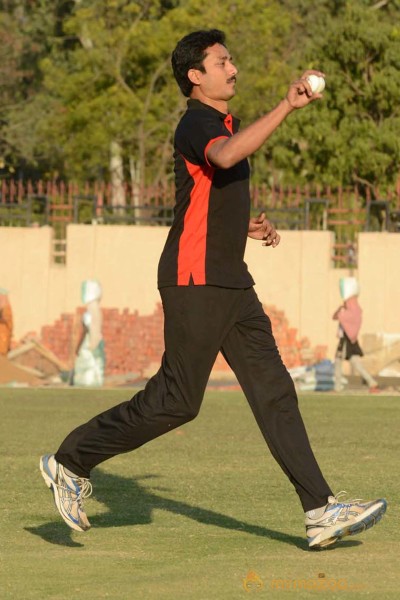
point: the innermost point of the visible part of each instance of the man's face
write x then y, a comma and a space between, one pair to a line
218, 81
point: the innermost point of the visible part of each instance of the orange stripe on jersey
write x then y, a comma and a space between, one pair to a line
210, 143
192, 243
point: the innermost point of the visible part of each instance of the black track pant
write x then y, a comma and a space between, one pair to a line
200, 321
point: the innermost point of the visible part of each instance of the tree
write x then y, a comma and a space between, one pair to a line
353, 135
107, 88
28, 31
107, 82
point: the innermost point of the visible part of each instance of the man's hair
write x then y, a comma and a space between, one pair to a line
190, 52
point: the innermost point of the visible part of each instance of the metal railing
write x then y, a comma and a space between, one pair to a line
343, 210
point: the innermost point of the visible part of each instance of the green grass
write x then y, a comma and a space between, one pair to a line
190, 514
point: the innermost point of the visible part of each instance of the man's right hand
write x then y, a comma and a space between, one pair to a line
300, 93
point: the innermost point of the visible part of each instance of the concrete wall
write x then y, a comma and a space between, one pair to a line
297, 276
379, 274
25, 267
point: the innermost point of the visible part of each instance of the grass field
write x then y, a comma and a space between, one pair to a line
202, 513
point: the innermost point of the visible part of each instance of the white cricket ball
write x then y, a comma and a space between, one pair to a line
317, 83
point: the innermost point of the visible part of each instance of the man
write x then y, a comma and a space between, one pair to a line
210, 305
90, 356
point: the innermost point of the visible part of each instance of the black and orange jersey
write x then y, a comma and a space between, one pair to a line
207, 240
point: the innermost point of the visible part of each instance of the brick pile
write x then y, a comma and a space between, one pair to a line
134, 343
61, 337
294, 352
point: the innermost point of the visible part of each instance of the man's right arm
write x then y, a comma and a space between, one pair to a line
227, 152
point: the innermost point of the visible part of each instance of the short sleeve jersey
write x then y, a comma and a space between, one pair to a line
207, 240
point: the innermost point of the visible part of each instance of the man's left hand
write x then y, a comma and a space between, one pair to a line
261, 229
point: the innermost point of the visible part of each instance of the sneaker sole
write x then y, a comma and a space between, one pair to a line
52, 486
365, 521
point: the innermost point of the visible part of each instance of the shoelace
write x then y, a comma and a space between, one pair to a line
335, 499
85, 487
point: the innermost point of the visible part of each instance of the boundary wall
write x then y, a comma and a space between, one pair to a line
297, 277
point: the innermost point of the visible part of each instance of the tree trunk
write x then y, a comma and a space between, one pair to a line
137, 202
118, 196
134, 169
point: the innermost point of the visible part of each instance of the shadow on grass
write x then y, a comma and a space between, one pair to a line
55, 533
130, 503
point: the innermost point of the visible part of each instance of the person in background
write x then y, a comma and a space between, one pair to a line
90, 356
6, 322
349, 315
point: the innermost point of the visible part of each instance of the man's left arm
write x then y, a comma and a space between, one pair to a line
260, 228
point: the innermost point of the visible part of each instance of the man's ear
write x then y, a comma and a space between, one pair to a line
194, 76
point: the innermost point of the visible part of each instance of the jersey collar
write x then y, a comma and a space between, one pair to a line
193, 103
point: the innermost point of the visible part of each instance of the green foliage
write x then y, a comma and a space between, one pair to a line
352, 136
112, 81
79, 75
27, 33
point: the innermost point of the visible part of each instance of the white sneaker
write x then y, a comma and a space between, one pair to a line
68, 492
340, 519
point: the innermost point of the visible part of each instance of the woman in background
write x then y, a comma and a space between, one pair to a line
349, 315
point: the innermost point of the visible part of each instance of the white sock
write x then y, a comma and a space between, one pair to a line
316, 513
